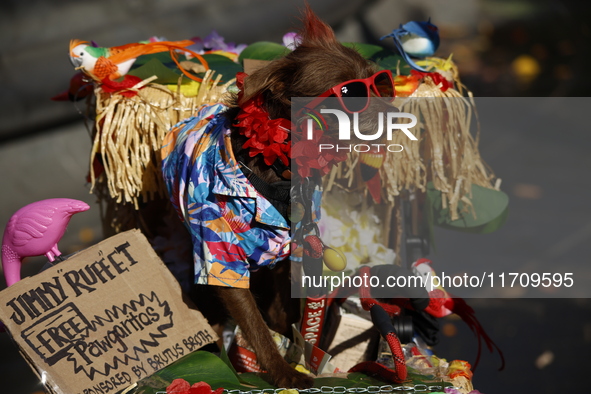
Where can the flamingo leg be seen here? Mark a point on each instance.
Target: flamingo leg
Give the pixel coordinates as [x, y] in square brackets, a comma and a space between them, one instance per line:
[52, 253]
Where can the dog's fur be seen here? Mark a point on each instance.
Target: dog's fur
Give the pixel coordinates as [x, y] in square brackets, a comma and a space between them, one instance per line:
[317, 64]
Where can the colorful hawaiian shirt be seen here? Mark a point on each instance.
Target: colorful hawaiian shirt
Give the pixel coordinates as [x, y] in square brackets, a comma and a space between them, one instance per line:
[234, 229]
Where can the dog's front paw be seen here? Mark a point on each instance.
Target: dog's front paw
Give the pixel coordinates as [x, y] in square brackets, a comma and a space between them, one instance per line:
[290, 378]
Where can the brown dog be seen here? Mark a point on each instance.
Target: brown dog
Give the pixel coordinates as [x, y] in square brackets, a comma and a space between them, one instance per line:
[319, 63]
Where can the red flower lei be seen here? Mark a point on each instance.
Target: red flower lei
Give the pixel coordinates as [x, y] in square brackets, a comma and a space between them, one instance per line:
[266, 137]
[271, 138]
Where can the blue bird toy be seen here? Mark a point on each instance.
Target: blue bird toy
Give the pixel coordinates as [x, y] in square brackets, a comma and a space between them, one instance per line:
[416, 39]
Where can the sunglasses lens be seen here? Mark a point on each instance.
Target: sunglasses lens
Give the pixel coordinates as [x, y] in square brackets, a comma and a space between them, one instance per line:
[356, 95]
[384, 85]
[354, 89]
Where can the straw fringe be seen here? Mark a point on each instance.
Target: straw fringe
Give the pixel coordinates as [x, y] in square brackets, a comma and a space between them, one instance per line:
[449, 154]
[446, 152]
[129, 132]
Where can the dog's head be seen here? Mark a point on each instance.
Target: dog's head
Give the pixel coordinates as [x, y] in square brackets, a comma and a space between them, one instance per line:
[318, 63]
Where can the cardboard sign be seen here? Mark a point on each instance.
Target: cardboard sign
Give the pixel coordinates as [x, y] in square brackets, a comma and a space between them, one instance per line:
[103, 319]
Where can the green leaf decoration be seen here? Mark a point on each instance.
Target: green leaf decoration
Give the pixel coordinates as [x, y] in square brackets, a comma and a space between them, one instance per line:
[258, 380]
[388, 60]
[224, 357]
[354, 379]
[162, 57]
[368, 51]
[417, 378]
[155, 67]
[358, 379]
[490, 206]
[161, 65]
[221, 65]
[263, 50]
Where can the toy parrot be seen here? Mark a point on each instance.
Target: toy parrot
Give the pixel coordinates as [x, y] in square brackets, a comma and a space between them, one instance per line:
[416, 39]
[112, 63]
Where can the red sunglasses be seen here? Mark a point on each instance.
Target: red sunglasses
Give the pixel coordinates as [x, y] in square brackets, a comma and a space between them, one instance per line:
[357, 91]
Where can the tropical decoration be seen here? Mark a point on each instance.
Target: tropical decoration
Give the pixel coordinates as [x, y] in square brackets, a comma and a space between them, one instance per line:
[212, 373]
[113, 63]
[155, 94]
[415, 39]
[134, 113]
[139, 92]
[355, 228]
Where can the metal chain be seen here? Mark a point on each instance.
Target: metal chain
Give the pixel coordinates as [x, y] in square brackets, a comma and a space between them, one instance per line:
[422, 388]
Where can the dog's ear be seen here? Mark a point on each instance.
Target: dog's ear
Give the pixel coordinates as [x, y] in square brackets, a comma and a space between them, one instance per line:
[269, 80]
[315, 32]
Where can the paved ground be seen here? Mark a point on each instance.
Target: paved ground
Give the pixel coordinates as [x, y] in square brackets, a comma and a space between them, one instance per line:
[544, 170]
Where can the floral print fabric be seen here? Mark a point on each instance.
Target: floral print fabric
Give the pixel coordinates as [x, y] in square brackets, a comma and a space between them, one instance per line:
[234, 229]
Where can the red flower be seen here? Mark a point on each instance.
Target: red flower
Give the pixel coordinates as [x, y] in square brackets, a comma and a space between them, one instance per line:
[128, 81]
[181, 386]
[266, 137]
[435, 77]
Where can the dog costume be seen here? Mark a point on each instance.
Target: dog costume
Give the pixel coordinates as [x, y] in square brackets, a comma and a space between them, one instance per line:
[234, 229]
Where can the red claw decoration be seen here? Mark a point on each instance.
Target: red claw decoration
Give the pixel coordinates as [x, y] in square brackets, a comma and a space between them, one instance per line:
[372, 368]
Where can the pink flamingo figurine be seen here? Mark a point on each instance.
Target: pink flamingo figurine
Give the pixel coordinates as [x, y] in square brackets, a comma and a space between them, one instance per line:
[35, 230]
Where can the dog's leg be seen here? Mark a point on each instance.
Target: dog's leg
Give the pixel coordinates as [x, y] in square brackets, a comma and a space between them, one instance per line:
[271, 289]
[242, 307]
